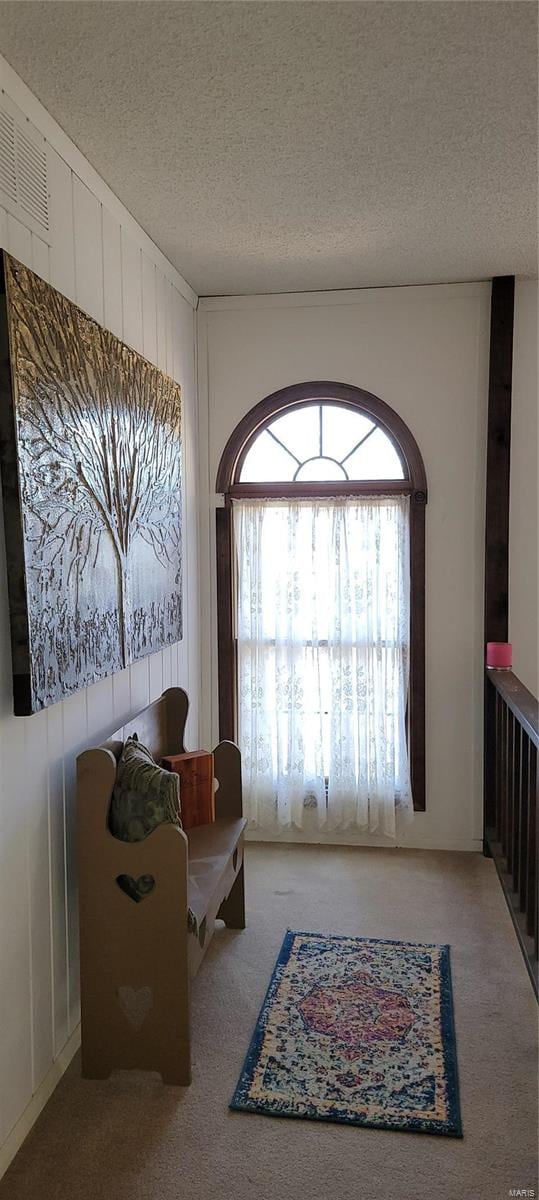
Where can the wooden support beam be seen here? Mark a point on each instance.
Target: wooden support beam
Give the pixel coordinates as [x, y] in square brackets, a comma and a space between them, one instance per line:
[498, 460]
[496, 608]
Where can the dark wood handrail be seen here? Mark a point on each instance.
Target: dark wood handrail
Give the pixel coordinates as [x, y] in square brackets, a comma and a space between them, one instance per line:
[512, 802]
[522, 703]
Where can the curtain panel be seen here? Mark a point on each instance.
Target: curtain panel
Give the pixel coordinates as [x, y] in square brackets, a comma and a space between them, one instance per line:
[322, 628]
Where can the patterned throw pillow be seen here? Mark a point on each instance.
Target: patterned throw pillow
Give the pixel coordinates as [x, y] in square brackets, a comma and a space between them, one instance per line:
[144, 795]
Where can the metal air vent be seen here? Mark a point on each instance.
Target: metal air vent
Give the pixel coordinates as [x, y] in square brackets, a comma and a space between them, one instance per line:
[23, 168]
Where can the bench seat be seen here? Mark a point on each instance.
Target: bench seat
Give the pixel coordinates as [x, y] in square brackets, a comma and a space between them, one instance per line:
[211, 854]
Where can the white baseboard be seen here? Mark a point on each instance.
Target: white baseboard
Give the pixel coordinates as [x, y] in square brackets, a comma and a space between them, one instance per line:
[28, 1118]
[469, 845]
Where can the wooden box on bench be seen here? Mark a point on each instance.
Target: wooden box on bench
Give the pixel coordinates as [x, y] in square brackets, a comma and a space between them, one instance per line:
[197, 801]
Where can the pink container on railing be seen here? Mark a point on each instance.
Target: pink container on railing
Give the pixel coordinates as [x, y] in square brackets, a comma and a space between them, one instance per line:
[499, 656]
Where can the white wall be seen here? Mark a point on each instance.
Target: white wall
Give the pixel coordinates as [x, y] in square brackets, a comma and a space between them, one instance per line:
[524, 505]
[100, 258]
[424, 350]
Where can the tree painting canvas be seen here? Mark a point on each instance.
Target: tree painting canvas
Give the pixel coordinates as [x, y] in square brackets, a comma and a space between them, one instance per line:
[91, 459]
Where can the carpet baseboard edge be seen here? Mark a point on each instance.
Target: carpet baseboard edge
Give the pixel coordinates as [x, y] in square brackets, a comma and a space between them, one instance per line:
[28, 1117]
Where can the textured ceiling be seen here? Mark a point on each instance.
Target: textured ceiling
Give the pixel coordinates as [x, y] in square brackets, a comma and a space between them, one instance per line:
[289, 146]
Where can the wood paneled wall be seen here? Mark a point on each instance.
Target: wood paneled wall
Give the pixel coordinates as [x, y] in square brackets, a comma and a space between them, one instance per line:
[96, 260]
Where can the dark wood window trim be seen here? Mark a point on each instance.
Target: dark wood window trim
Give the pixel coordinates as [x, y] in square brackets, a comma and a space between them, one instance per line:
[414, 484]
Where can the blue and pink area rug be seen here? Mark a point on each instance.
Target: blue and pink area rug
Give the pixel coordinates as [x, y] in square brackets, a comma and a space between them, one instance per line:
[356, 1030]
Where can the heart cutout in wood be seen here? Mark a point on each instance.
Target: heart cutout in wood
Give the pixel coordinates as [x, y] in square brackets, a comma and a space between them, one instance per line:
[135, 1004]
[136, 889]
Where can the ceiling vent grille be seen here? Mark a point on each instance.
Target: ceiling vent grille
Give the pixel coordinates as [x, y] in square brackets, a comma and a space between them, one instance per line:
[23, 168]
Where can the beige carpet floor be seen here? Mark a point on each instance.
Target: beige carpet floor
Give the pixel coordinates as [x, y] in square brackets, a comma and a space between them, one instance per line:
[131, 1138]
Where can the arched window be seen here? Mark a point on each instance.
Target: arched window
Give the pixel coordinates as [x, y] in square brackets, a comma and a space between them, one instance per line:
[325, 440]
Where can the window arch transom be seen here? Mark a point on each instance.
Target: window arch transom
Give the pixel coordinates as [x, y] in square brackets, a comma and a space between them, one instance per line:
[321, 442]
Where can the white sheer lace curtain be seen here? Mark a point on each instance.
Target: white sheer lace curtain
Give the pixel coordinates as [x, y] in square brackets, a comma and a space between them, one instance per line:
[323, 651]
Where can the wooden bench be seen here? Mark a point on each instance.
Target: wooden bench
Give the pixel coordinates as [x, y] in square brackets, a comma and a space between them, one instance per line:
[137, 955]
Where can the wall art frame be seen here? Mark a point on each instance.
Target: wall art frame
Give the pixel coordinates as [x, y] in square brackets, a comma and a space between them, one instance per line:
[91, 463]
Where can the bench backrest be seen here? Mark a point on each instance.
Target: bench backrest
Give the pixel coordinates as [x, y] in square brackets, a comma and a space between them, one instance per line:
[160, 726]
